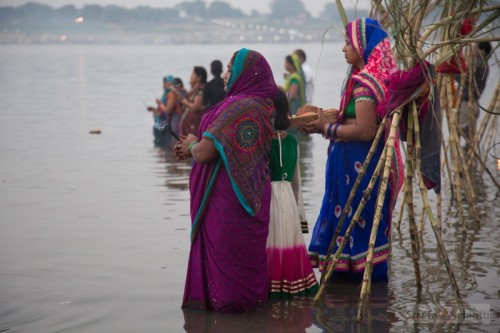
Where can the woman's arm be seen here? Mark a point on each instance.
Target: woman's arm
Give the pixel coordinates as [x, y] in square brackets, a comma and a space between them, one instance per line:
[364, 127]
[170, 106]
[294, 90]
[202, 151]
[196, 105]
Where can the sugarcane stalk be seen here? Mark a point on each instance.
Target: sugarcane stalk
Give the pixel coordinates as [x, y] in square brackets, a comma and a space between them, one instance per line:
[355, 186]
[484, 130]
[465, 177]
[401, 208]
[485, 167]
[452, 142]
[479, 135]
[420, 229]
[462, 167]
[447, 20]
[470, 114]
[442, 98]
[365, 288]
[470, 102]
[439, 211]
[489, 142]
[437, 233]
[415, 244]
[492, 106]
[418, 148]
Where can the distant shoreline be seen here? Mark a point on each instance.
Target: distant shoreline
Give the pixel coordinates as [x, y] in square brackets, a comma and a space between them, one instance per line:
[188, 37]
[34, 23]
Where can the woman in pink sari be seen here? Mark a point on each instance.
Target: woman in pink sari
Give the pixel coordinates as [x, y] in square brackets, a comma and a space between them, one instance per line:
[230, 187]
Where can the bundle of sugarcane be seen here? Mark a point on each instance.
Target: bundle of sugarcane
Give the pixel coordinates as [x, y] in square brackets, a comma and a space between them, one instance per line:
[459, 26]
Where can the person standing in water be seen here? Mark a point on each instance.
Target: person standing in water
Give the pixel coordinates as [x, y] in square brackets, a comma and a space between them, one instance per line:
[368, 52]
[230, 188]
[290, 271]
[214, 91]
[308, 75]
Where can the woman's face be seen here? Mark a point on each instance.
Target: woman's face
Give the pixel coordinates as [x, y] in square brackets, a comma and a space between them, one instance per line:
[227, 75]
[194, 78]
[288, 67]
[351, 55]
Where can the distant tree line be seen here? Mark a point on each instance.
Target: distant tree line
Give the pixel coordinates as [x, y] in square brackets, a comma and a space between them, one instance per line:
[188, 10]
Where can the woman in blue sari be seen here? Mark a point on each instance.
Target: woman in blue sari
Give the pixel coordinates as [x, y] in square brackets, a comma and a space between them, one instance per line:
[367, 51]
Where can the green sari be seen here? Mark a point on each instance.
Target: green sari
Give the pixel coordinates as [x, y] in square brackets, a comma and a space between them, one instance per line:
[296, 78]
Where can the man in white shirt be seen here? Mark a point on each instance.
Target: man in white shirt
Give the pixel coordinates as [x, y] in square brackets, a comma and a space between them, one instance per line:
[308, 74]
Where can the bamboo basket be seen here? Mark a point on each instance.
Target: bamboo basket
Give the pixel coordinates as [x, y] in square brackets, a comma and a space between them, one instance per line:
[307, 113]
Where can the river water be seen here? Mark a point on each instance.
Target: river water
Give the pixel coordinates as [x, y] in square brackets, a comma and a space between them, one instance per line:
[94, 228]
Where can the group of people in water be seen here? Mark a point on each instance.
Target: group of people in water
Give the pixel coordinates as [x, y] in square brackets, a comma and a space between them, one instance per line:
[181, 110]
[246, 202]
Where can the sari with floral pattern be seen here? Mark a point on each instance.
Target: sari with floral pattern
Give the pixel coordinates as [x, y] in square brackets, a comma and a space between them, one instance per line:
[230, 196]
[345, 159]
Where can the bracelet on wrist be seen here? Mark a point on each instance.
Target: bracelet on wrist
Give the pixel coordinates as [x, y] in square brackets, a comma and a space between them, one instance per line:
[191, 145]
[328, 128]
[335, 135]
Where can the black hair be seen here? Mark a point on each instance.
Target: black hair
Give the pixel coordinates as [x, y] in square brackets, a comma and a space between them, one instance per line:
[178, 82]
[300, 53]
[216, 68]
[281, 120]
[485, 47]
[289, 60]
[201, 72]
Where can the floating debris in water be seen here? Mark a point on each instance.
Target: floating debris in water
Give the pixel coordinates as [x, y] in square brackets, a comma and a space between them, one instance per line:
[95, 131]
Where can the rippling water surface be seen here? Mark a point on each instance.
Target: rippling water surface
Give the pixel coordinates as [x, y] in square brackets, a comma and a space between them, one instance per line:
[94, 229]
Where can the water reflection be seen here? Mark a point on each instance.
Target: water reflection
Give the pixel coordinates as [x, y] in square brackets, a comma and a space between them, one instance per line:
[294, 315]
[175, 173]
[336, 312]
[338, 309]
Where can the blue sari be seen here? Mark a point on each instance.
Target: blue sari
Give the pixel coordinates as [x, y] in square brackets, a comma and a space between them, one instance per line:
[345, 160]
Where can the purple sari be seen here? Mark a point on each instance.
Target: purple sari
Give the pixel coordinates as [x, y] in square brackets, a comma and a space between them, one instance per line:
[230, 196]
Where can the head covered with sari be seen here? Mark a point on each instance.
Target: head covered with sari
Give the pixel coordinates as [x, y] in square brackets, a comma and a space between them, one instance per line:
[251, 75]
[297, 75]
[373, 46]
[166, 79]
[240, 126]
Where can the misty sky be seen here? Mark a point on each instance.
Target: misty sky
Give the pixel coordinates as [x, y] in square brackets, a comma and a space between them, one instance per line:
[313, 6]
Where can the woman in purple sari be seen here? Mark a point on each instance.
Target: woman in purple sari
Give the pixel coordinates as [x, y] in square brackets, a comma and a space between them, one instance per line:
[230, 188]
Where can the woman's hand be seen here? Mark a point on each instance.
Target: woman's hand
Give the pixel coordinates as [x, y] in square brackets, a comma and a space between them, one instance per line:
[181, 148]
[315, 126]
